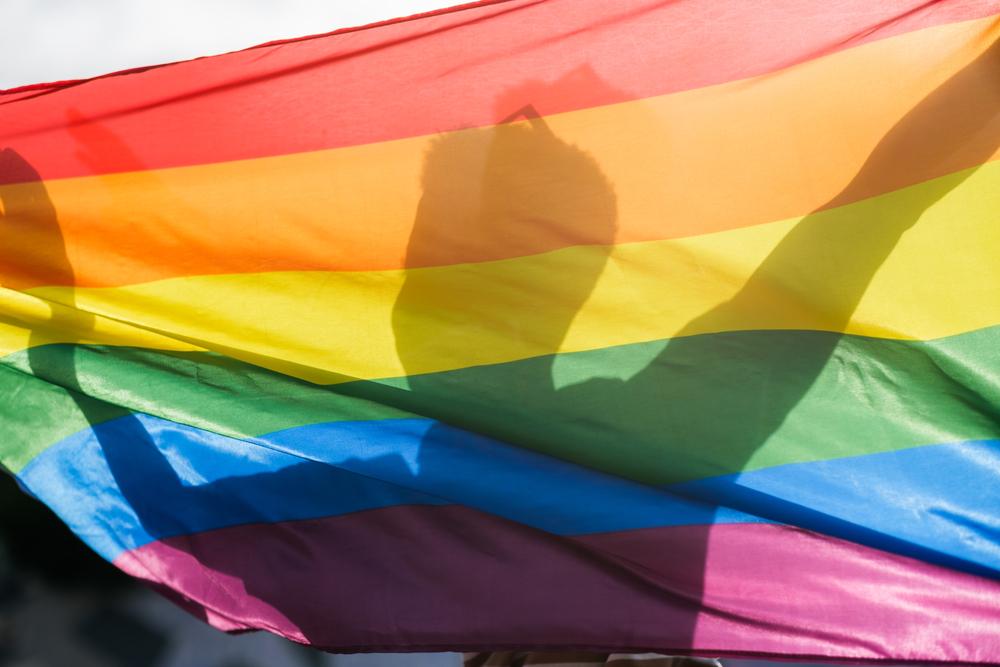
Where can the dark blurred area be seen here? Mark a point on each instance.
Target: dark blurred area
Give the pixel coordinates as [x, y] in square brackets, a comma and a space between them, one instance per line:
[35, 542]
[62, 605]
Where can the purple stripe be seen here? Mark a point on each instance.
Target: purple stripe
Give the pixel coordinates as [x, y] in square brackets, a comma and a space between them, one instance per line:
[427, 578]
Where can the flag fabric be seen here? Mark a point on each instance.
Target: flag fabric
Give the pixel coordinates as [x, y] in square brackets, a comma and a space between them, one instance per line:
[530, 324]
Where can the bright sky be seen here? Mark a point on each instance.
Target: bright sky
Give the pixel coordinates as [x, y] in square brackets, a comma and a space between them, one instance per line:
[48, 40]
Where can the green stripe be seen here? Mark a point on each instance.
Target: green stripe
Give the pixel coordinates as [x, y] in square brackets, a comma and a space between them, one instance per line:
[717, 404]
[657, 412]
[199, 389]
[35, 414]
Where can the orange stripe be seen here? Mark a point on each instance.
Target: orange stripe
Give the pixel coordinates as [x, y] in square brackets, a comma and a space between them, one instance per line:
[690, 163]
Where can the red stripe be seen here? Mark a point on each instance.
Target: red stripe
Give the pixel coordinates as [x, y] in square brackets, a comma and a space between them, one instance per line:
[437, 73]
[428, 578]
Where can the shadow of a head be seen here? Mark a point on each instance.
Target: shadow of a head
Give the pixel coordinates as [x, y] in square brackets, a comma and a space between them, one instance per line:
[497, 193]
[31, 243]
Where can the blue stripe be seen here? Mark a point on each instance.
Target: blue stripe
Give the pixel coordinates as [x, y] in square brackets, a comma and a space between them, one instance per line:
[139, 478]
[136, 479]
[939, 503]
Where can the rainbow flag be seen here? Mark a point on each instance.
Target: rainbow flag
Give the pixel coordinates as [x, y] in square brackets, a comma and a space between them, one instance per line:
[634, 325]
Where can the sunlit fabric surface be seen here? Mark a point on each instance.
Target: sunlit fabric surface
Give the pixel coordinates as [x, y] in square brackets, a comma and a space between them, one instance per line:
[531, 325]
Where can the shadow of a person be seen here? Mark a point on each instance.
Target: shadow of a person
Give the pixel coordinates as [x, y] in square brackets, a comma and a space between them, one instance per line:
[166, 503]
[502, 184]
[35, 252]
[31, 244]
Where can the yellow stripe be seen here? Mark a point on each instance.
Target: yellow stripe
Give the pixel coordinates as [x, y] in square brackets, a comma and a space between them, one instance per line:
[27, 320]
[741, 153]
[941, 277]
